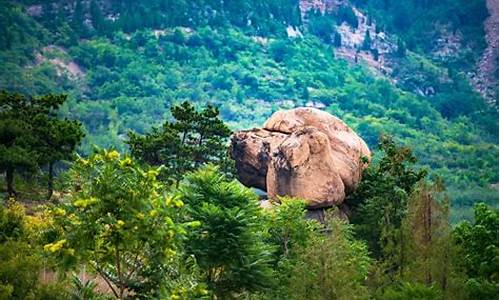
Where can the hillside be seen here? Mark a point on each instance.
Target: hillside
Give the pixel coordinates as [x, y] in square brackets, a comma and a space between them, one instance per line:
[374, 65]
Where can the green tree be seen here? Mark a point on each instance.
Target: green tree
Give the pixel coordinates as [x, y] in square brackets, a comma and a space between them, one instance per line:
[478, 242]
[19, 268]
[119, 222]
[367, 41]
[288, 227]
[18, 117]
[193, 139]
[321, 26]
[430, 256]
[21, 257]
[379, 203]
[97, 17]
[32, 135]
[228, 246]
[414, 291]
[401, 48]
[288, 231]
[178, 37]
[280, 50]
[77, 22]
[346, 14]
[56, 140]
[332, 266]
[375, 54]
[337, 39]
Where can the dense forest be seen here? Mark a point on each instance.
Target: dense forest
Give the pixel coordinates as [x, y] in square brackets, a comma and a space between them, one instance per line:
[122, 64]
[115, 119]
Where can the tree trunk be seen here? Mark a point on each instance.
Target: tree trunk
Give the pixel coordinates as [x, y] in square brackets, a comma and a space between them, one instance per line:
[10, 182]
[50, 186]
[428, 236]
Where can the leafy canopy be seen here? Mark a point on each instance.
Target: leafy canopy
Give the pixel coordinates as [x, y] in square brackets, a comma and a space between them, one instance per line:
[119, 221]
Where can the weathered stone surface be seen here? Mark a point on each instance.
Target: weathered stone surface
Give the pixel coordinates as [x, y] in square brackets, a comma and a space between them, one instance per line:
[304, 153]
[251, 149]
[303, 166]
[347, 146]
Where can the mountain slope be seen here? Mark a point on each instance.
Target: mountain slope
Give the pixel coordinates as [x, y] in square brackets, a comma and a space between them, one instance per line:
[123, 64]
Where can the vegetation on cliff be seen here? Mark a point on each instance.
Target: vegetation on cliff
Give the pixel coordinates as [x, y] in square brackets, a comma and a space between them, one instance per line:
[125, 74]
[122, 111]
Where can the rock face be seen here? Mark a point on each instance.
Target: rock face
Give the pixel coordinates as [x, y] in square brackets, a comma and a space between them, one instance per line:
[304, 153]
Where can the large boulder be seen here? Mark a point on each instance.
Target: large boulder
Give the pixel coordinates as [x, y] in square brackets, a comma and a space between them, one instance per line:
[303, 152]
[251, 149]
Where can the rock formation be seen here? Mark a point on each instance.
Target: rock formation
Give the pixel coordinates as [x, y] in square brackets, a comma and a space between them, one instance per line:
[303, 152]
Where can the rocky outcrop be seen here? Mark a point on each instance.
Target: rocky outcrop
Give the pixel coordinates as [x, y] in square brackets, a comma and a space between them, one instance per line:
[304, 153]
[252, 150]
[486, 80]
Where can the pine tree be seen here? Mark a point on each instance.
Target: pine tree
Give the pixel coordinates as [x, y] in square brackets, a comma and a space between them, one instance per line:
[379, 203]
[21, 117]
[401, 48]
[337, 39]
[56, 140]
[228, 246]
[97, 17]
[191, 140]
[77, 22]
[32, 135]
[367, 42]
[375, 54]
[430, 254]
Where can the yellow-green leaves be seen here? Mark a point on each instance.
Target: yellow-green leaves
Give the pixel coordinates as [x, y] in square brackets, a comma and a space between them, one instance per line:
[54, 247]
[112, 155]
[118, 220]
[126, 162]
[83, 203]
[59, 212]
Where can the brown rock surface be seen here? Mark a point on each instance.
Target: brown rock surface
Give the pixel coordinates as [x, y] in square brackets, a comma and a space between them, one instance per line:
[303, 152]
[303, 166]
[251, 149]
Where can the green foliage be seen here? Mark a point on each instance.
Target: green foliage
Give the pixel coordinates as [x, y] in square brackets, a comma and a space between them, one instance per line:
[97, 17]
[401, 50]
[322, 26]
[21, 260]
[31, 135]
[228, 245]
[18, 271]
[367, 41]
[337, 39]
[417, 291]
[418, 32]
[235, 57]
[430, 255]
[190, 141]
[332, 266]
[118, 222]
[289, 230]
[379, 202]
[479, 250]
[83, 290]
[346, 14]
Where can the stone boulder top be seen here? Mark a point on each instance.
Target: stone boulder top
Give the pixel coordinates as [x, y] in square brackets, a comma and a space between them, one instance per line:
[337, 131]
[303, 152]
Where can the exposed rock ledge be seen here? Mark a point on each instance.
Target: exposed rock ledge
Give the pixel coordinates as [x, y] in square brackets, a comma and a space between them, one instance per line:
[305, 153]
